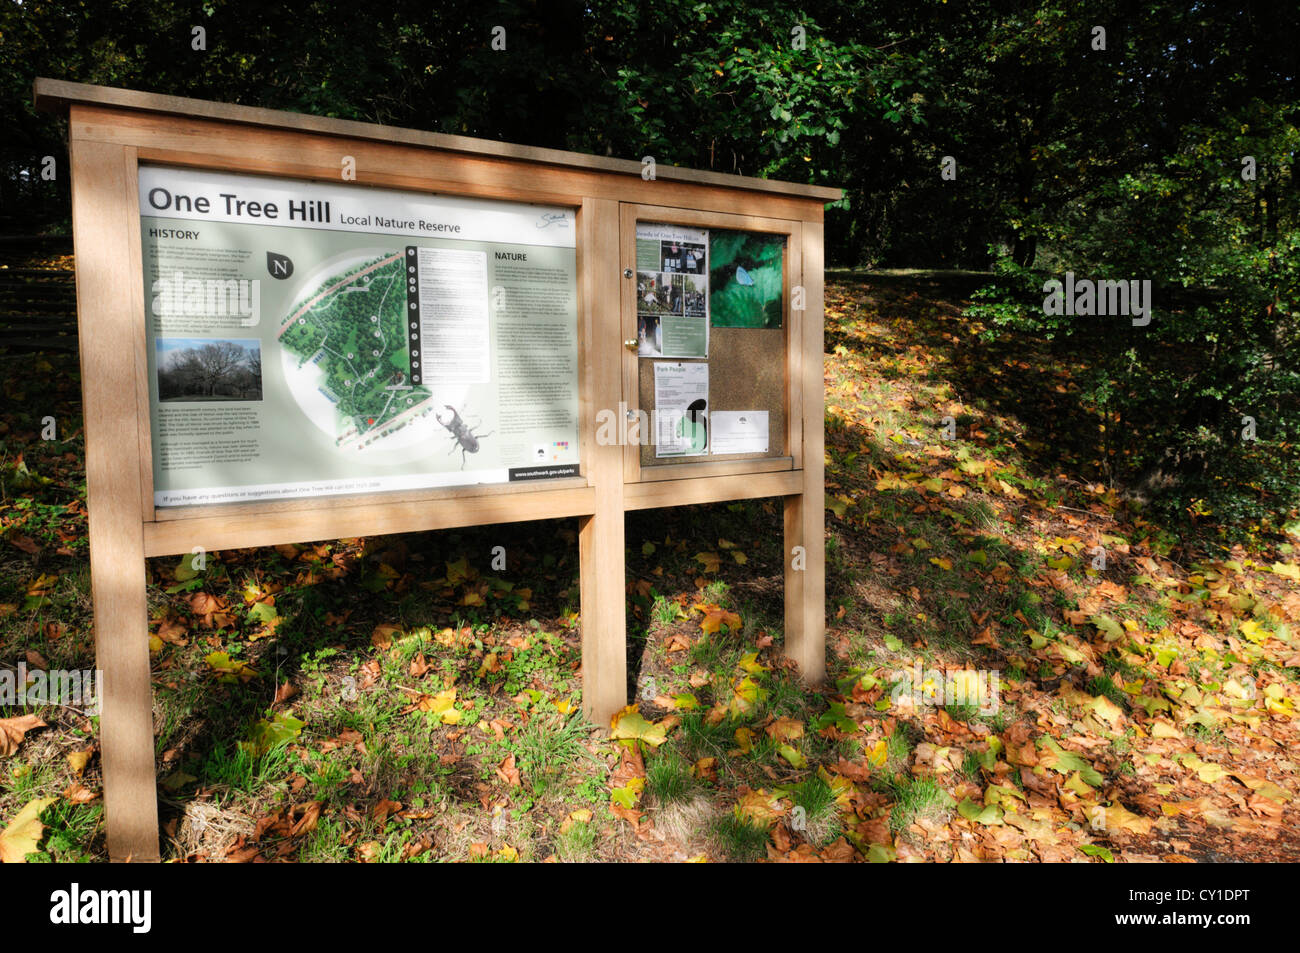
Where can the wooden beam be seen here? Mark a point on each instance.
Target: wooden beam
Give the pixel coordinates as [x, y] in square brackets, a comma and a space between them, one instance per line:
[57, 95]
[717, 489]
[805, 513]
[304, 524]
[294, 153]
[600, 540]
[107, 285]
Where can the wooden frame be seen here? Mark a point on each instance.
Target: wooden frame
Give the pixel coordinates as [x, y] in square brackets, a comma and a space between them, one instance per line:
[112, 132]
[633, 470]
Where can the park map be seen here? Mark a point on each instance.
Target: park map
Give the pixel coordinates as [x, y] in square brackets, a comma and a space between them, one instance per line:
[353, 327]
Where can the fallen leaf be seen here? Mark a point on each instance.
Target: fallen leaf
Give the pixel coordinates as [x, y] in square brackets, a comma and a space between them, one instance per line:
[12, 731]
[24, 832]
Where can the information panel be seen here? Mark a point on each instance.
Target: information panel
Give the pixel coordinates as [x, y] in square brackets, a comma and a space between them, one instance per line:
[714, 298]
[310, 339]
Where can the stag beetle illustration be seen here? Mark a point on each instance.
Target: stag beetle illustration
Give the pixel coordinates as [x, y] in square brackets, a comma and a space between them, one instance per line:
[463, 437]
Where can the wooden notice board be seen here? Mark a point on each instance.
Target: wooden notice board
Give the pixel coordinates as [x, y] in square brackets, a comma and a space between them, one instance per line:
[457, 228]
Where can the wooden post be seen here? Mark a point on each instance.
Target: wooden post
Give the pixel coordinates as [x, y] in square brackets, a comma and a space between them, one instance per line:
[108, 280]
[600, 541]
[805, 514]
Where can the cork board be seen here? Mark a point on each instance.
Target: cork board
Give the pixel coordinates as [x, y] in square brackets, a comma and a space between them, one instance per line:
[746, 372]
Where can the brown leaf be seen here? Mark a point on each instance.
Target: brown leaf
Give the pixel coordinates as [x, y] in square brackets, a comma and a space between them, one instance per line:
[12, 731]
[382, 637]
[508, 773]
[631, 815]
[677, 642]
[78, 793]
[284, 693]
[854, 772]
[173, 631]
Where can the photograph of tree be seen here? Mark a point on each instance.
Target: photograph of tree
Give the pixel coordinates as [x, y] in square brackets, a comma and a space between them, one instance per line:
[745, 278]
[197, 369]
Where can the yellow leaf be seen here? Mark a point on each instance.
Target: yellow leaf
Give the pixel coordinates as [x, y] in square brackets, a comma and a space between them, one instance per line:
[1163, 729]
[1210, 772]
[715, 618]
[792, 755]
[629, 725]
[748, 694]
[758, 807]
[943, 562]
[77, 760]
[1120, 819]
[891, 481]
[745, 739]
[24, 832]
[710, 561]
[1107, 710]
[1079, 786]
[1290, 570]
[628, 795]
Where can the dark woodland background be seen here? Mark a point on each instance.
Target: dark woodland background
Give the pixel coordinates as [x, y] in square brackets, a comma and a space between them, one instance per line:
[1124, 162]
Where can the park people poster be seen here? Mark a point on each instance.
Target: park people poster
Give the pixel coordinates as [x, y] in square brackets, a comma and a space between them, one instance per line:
[316, 339]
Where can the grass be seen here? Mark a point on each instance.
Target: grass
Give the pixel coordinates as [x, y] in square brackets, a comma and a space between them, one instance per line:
[738, 839]
[1103, 685]
[546, 748]
[819, 823]
[700, 738]
[668, 779]
[665, 611]
[918, 799]
[575, 843]
[232, 769]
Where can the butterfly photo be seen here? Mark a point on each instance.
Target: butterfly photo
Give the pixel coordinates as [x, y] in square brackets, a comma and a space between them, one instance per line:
[745, 279]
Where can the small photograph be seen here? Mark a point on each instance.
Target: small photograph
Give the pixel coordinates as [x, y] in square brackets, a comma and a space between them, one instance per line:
[649, 335]
[745, 279]
[695, 294]
[209, 369]
[682, 257]
[658, 293]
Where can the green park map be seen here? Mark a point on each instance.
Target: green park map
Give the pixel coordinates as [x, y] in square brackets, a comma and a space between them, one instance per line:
[353, 327]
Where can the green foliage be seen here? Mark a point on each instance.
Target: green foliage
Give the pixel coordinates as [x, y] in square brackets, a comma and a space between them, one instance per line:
[1196, 413]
